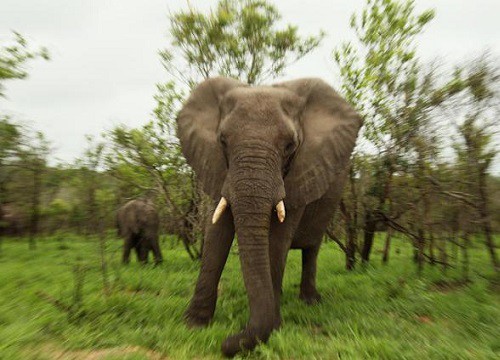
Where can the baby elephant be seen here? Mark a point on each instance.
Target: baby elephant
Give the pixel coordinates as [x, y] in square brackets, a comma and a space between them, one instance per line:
[138, 223]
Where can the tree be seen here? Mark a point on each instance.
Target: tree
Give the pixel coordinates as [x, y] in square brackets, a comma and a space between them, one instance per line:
[23, 159]
[13, 59]
[10, 135]
[476, 151]
[10, 139]
[89, 165]
[382, 77]
[240, 38]
[33, 158]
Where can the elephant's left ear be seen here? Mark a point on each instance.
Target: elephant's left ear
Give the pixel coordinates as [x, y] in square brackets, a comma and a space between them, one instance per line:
[330, 127]
[197, 125]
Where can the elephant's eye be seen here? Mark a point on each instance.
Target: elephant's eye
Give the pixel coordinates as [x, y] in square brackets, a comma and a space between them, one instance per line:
[290, 147]
[223, 141]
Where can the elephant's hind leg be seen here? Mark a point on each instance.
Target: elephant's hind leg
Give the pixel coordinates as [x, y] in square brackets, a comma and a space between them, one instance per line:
[155, 247]
[127, 247]
[308, 237]
[308, 292]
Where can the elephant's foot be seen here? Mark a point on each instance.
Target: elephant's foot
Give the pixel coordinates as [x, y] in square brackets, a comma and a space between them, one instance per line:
[194, 319]
[200, 311]
[246, 340]
[277, 323]
[310, 297]
[200, 315]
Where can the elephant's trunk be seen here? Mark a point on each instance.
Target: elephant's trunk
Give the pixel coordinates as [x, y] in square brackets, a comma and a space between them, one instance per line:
[252, 228]
[252, 203]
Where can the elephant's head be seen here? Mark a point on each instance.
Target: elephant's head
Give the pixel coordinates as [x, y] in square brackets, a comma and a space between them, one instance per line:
[256, 149]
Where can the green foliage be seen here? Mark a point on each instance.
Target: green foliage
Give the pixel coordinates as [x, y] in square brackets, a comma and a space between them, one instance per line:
[475, 148]
[240, 38]
[13, 59]
[57, 208]
[10, 135]
[405, 106]
[23, 156]
[149, 157]
[381, 75]
[477, 154]
[377, 313]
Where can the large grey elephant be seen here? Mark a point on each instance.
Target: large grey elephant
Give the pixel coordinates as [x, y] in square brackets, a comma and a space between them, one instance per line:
[275, 160]
[138, 224]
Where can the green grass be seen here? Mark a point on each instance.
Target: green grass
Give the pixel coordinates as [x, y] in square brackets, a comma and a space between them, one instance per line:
[381, 312]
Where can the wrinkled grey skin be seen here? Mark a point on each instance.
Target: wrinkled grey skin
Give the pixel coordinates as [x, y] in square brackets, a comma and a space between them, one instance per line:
[138, 224]
[256, 146]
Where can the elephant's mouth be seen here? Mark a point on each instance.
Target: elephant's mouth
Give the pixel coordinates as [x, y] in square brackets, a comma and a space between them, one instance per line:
[223, 204]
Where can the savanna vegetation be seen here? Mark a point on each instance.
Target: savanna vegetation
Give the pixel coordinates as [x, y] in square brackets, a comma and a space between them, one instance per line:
[59, 302]
[409, 266]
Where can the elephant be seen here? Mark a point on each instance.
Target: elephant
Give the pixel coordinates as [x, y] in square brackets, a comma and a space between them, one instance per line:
[138, 223]
[274, 160]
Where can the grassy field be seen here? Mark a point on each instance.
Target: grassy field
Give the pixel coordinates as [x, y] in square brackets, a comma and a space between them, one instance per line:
[381, 312]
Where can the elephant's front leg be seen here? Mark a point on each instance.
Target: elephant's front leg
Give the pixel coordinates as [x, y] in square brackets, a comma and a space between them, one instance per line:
[217, 242]
[280, 239]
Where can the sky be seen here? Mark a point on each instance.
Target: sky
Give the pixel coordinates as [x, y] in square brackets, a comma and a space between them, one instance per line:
[104, 55]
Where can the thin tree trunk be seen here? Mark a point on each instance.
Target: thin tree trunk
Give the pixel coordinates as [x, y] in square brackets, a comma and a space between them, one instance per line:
[443, 253]
[465, 256]
[352, 229]
[35, 207]
[350, 253]
[102, 251]
[485, 221]
[387, 246]
[2, 225]
[415, 250]
[372, 217]
[420, 251]
[92, 221]
[432, 258]
[369, 234]
[350, 221]
[454, 240]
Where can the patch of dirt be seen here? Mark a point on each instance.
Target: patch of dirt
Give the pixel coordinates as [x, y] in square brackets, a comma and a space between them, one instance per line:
[446, 286]
[53, 352]
[132, 291]
[318, 330]
[424, 319]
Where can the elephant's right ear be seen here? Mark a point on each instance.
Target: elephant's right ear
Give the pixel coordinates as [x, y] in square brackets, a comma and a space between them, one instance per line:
[197, 125]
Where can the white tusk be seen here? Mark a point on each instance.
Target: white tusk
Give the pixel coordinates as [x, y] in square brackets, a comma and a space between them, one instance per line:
[219, 209]
[280, 209]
